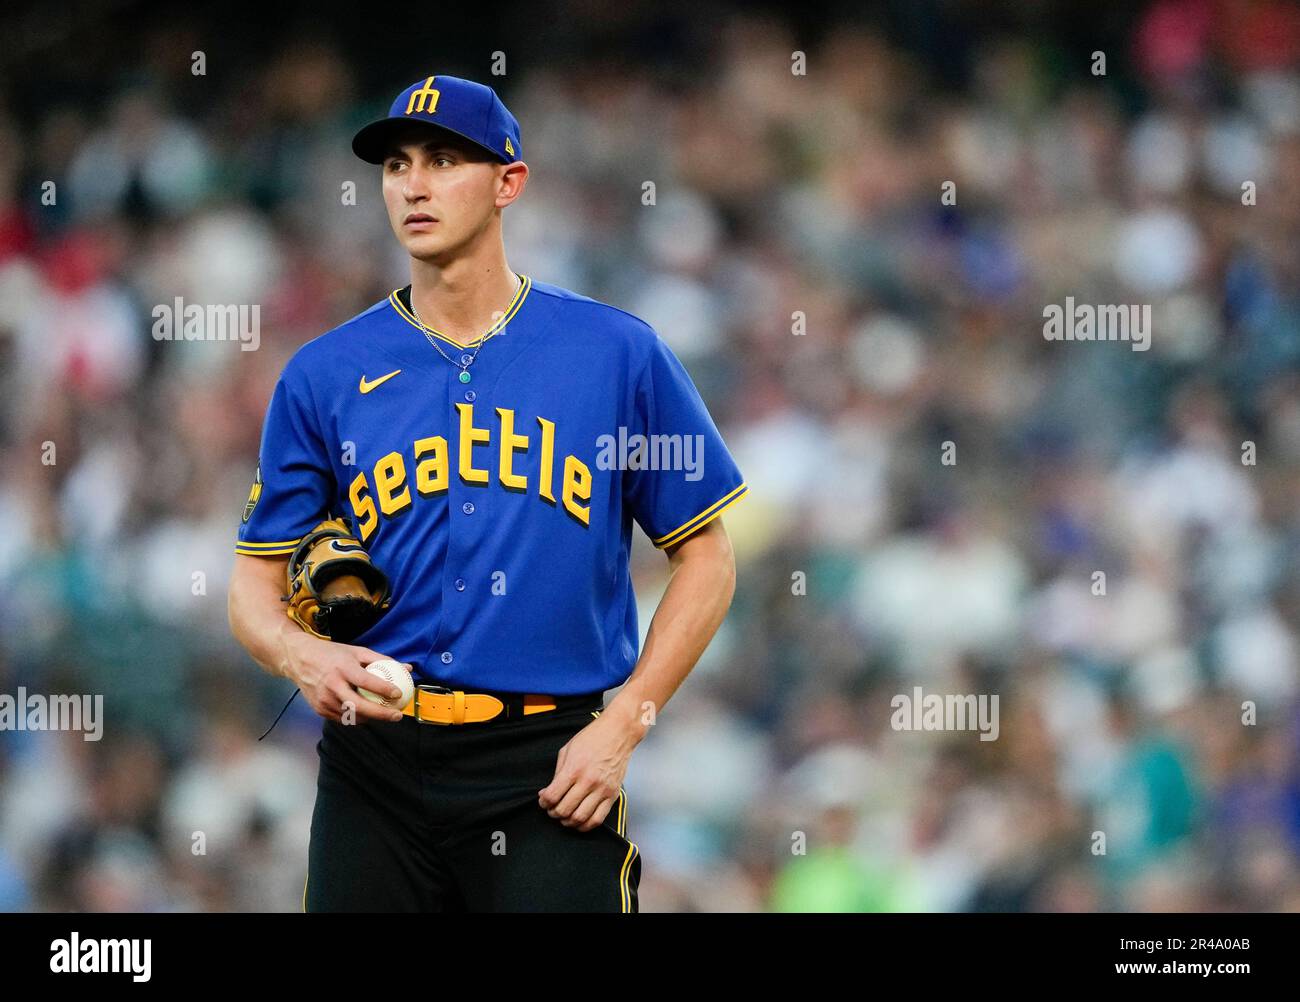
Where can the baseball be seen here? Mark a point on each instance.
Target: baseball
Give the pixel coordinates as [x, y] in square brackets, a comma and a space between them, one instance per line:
[396, 673]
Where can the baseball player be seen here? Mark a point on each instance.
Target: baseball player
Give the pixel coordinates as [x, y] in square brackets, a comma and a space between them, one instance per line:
[488, 440]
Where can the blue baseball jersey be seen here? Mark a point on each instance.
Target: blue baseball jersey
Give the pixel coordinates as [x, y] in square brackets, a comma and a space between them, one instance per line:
[500, 508]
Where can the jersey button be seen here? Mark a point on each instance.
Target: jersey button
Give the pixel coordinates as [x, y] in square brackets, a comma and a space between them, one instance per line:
[468, 507]
[460, 584]
[446, 657]
[470, 395]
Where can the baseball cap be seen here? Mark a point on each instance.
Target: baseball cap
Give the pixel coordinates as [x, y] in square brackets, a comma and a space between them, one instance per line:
[470, 110]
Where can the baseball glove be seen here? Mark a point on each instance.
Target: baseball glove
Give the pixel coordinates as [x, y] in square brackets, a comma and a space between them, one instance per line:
[335, 591]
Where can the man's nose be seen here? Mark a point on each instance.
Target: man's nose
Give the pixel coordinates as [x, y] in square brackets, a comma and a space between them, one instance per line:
[414, 186]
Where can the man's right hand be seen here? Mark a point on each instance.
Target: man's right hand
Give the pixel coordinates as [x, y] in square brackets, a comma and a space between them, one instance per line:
[328, 674]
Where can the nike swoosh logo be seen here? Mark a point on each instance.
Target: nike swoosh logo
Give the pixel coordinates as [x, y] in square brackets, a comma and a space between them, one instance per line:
[367, 387]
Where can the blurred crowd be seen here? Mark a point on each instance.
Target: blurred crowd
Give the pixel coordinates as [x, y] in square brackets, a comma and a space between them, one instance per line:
[1106, 539]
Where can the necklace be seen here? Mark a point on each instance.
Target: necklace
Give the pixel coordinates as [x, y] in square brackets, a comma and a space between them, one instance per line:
[466, 360]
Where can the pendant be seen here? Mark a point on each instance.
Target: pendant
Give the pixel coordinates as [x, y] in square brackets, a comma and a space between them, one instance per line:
[464, 376]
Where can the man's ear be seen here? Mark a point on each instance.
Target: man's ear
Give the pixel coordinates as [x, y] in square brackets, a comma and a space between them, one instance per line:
[513, 180]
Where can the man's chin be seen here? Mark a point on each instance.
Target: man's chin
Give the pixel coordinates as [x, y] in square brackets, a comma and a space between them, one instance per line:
[424, 247]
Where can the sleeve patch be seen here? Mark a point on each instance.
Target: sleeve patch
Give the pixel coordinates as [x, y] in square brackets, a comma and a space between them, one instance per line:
[254, 493]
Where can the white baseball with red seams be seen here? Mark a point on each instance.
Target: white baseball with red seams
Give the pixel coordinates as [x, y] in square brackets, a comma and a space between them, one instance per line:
[396, 673]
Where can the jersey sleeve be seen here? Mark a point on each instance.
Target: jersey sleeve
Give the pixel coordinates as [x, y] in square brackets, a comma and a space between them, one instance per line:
[294, 482]
[679, 475]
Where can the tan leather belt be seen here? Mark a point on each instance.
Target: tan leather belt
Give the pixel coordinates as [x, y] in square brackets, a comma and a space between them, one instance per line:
[435, 704]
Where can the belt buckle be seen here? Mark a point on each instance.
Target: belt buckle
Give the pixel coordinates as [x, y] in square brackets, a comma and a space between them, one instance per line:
[440, 690]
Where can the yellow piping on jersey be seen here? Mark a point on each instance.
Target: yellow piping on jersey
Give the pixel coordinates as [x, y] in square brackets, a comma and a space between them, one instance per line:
[521, 294]
[703, 518]
[251, 549]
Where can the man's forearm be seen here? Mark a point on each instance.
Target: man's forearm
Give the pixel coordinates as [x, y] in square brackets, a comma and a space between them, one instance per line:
[256, 612]
[693, 606]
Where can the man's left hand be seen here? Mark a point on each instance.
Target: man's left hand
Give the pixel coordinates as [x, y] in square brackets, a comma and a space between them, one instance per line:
[588, 773]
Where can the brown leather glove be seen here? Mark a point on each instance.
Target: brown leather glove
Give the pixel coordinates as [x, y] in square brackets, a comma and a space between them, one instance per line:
[335, 591]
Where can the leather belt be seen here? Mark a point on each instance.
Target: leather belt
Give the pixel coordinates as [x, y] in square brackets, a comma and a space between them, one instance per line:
[437, 704]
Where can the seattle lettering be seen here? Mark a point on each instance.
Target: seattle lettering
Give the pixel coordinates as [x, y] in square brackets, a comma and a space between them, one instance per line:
[387, 490]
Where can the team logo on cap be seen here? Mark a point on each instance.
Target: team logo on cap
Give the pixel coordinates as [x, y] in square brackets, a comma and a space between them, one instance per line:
[509, 148]
[419, 97]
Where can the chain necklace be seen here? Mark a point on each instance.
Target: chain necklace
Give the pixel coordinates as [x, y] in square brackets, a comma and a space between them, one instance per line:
[466, 360]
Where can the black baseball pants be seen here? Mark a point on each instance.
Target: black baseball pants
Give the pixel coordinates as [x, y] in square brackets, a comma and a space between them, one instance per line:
[419, 817]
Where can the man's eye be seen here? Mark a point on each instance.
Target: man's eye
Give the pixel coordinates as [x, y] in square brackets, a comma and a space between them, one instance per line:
[442, 160]
[395, 165]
